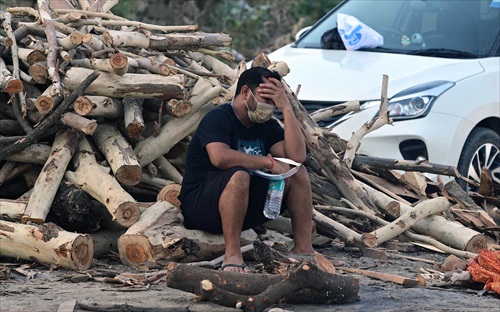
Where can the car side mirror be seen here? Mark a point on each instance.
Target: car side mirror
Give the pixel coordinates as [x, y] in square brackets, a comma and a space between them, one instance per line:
[301, 32]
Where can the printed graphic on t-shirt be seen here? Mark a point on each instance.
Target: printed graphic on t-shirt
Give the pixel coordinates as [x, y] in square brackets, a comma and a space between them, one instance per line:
[251, 147]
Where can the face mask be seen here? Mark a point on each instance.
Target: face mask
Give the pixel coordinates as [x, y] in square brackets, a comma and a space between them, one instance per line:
[262, 113]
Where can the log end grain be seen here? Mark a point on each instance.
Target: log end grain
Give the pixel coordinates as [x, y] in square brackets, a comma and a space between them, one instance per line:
[476, 243]
[129, 174]
[83, 105]
[44, 104]
[127, 214]
[134, 249]
[170, 194]
[83, 252]
[14, 86]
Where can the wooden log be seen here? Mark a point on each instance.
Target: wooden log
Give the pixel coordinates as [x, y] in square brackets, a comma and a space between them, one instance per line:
[178, 108]
[320, 287]
[44, 191]
[94, 105]
[119, 154]
[38, 72]
[35, 153]
[405, 221]
[9, 83]
[167, 170]
[12, 210]
[106, 242]
[170, 193]
[119, 39]
[128, 85]
[46, 102]
[46, 243]
[31, 56]
[336, 229]
[78, 122]
[133, 119]
[178, 128]
[72, 41]
[439, 279]
[116, 64]
[159, 235]
[95, 180]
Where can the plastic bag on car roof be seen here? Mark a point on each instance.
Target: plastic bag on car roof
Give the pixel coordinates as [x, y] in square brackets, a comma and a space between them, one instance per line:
[355, 34]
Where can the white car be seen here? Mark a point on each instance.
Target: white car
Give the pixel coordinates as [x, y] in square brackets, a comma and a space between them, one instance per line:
[443, 62]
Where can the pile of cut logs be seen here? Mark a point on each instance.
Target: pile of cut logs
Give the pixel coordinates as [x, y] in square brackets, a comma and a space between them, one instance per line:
[96, 112]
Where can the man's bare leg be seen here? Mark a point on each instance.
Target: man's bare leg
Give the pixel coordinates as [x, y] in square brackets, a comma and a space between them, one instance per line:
[233, 205]
[299, 203]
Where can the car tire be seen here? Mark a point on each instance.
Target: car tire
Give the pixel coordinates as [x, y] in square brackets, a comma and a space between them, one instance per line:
[482, 148]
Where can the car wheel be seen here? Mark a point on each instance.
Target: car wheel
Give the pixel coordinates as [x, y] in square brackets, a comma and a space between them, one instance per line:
[481, 149]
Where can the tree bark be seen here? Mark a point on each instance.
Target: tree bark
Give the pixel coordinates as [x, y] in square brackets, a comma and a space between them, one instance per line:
[47, 243]
[80, 123]
[95, 106]
[134, 121]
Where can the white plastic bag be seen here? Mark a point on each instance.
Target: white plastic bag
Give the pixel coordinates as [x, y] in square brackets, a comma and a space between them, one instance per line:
[355, 34]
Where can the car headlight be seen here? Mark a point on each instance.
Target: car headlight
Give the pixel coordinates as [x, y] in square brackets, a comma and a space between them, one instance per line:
[416, 102]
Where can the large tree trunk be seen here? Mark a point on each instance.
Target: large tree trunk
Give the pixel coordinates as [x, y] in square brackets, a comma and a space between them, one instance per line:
[46, 243]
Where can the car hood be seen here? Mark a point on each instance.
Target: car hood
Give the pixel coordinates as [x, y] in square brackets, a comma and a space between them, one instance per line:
[339, 75]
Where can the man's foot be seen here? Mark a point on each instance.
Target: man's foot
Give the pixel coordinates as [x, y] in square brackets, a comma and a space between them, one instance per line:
[233, 267]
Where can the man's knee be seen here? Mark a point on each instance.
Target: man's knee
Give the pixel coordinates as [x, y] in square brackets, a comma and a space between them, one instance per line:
[301, 177]
[239, 180]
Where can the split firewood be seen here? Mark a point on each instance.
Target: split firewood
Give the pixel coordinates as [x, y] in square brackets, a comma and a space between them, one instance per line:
[160, 235]
[461, 196]
[119, 154]
[95, 180]
[45, 189]
[408, 282]
[46, 243]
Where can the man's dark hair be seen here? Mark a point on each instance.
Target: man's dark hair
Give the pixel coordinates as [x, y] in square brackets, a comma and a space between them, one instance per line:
[254, 76]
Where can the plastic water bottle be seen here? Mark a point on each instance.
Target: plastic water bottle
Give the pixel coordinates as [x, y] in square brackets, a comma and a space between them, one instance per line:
[274, 197]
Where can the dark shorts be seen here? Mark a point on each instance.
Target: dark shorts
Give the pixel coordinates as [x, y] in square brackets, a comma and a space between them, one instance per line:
[200, 207]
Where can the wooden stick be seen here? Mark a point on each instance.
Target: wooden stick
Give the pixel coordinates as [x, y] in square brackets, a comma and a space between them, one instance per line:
[44, 191]
[383, 276]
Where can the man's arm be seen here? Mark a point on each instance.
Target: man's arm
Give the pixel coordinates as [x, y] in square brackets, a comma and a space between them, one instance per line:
[293, 146]
[223, 157]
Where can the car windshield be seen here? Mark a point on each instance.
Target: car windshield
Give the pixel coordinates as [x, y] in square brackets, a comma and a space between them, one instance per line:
[458, 29]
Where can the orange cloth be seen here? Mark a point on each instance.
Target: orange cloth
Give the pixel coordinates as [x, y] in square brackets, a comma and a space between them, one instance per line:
[485, 268]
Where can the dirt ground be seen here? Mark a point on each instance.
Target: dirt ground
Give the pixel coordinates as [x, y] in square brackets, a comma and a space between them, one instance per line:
[58, 290]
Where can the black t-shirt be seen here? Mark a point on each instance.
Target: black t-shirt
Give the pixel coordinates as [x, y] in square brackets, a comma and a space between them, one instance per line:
[222, 125]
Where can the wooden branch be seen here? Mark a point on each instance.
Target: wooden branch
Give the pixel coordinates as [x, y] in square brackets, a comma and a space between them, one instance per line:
[46, 243]
[165, 29]
[50, 33]
[46, 102]
[405, 221]
[382, 119]
[167, 170]
[35, 153]
[95, 181]
[383, 276]
[105, 15]
[116, 64]
[119, 154]
[38, 72]
[336, 229]
[8, 83]
[338, 109]
[44, 191]
[366, 163]
[38, 132]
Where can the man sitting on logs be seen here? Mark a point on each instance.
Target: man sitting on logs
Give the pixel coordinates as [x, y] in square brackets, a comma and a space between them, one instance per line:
[220, 191]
